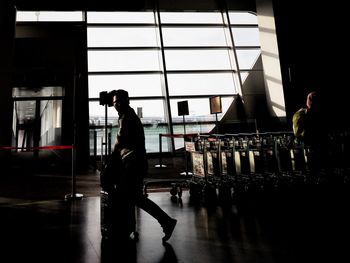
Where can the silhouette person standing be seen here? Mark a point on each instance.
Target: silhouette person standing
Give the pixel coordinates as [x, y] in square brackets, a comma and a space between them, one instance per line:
[130, 144]
[309, 128]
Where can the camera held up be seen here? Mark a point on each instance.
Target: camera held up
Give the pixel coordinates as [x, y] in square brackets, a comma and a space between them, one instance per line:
[107, 98]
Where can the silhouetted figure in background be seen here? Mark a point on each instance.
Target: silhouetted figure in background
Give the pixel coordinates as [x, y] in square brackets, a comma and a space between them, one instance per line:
[309, 128]
[130, 144]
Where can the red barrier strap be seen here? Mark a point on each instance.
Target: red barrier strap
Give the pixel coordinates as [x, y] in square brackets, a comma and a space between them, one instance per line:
[53, 147]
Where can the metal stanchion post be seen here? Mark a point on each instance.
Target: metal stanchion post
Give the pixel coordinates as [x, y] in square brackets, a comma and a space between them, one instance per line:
[186, 173]
[95, 149]
[217, 123]
[106, 132]
[74, 195]
[160, 165]
[109, 143]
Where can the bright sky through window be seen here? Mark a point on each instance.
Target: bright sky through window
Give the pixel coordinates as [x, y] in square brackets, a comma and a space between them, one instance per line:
[190, 57]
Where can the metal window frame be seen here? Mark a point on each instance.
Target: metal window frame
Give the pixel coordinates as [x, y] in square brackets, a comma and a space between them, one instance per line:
[158, 25]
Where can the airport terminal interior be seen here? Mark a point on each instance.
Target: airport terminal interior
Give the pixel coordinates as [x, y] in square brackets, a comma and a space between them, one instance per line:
[215, 84]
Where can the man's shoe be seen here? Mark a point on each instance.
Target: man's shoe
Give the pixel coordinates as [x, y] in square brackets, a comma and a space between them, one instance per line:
[168, 229]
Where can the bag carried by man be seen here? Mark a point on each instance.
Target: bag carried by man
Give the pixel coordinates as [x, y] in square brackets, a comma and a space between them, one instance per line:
[117, 212]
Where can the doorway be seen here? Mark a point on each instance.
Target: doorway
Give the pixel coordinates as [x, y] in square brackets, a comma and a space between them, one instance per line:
[37, 117]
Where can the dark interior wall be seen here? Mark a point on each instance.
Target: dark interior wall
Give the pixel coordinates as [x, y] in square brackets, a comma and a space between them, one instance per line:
[132, 5]
[68, 5]
[55, 54]
[7, 31]
[313, 53]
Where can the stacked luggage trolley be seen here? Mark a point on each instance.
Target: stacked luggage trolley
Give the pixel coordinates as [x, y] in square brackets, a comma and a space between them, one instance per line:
[238, 167]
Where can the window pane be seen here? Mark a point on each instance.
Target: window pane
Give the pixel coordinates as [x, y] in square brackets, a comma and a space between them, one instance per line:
[120, 17]
[194, 37]
[38, 92]
[152, 119]
[197, 59]
[247, 58]
[199, 109]
[135, 60]
[136, 85]
[51, 122]
[246, 36]
[48, 16]
[201, 84]
[191, 17]
[97, 114]
[152, 110]
[153, 122]
[243, 18]
[121, 37]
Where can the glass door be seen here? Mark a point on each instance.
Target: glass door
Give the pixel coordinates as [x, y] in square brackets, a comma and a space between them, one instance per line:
[37, 118]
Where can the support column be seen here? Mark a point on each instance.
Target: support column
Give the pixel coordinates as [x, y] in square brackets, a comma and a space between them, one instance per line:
[7, 36]
[270, 59]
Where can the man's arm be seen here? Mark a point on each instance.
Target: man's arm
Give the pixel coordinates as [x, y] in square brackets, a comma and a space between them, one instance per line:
[120, 139]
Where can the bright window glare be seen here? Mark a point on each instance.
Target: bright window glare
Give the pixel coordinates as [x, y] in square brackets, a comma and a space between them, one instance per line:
[151, 109]
[32, 16]
[97, 114]
[201, 84]
[243, 18]
[190, 17]
[135, 60]
[120, 17]
[247, 58]
[136, 85]
[194, 37]
[121, 37]
[197, 59]
[246, 36]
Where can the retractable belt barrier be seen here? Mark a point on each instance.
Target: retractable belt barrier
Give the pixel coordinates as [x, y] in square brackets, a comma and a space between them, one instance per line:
[57, 147]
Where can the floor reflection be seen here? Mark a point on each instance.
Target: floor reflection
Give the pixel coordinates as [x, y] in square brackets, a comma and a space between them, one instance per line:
[114, 249]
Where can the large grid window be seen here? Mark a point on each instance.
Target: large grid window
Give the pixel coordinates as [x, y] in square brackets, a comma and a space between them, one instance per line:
[167, 57]
[124, 53]
[162, 58]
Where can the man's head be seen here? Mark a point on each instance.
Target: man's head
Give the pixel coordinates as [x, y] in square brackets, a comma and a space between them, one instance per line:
[120, 100]
[313, 101]
[311, 97]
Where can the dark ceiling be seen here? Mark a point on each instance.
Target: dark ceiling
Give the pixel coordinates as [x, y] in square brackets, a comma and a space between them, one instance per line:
[131, 5]
[66, 5]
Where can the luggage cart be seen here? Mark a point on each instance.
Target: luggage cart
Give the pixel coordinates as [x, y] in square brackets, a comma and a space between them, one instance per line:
[204, 179]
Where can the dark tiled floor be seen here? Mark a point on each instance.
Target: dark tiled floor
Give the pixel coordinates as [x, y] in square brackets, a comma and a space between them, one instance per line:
[38, 225]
